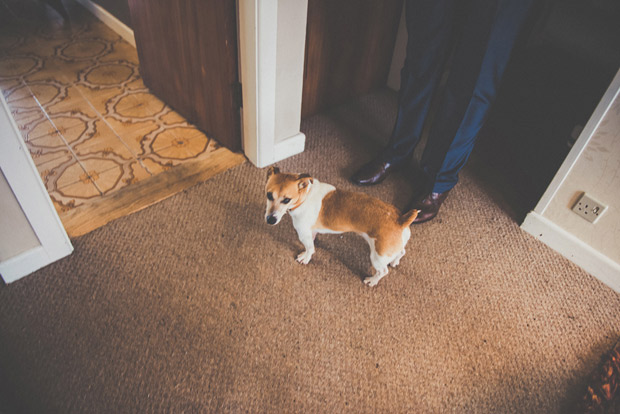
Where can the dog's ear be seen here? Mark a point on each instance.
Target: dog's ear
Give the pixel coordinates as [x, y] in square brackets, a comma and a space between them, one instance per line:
[304, 181]
[272, 170]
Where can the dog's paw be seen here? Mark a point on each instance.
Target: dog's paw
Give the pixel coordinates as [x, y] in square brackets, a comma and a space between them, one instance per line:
[304, 257]
[396, 260]
[371, 281]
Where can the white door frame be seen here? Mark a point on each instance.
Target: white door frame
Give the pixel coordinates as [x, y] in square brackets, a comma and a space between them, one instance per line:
[272, 40]
[25, 182]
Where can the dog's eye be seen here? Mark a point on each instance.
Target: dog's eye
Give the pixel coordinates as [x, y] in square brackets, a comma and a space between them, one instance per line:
[270, 196]
[286, 200]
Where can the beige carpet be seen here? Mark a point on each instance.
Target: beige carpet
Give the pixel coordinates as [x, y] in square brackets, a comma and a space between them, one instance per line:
[196, 305]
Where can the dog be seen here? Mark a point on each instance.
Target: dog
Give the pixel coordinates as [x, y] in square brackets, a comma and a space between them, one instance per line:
[317, 207]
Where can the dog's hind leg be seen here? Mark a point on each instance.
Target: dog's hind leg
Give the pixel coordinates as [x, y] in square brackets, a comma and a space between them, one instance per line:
[381, 269]
[405, 236]
[395, 262]
[380, 263]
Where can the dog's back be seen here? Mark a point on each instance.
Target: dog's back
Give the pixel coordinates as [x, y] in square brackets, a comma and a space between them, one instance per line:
[346, 211]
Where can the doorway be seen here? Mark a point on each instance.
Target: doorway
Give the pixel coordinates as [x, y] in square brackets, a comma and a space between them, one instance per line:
[103, 143]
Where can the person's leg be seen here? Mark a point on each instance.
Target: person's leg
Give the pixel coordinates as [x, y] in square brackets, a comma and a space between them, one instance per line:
[467, 108]
[429, 25]
[477, 69]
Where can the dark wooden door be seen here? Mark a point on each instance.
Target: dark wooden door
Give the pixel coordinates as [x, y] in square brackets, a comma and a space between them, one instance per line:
[188, 58]
[349, 47]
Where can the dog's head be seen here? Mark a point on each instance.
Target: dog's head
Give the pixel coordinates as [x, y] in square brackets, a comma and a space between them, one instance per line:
[284, 192]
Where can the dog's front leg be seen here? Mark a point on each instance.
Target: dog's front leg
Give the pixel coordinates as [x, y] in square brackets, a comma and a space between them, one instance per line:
[307, 239]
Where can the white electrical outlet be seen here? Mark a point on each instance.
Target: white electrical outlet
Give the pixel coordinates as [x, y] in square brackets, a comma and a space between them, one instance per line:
[588, 208]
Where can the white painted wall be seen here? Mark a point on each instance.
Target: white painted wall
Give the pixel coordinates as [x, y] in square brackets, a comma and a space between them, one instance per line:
[597, 172]
[592, 166]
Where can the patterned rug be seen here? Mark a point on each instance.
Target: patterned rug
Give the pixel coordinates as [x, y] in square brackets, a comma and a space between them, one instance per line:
[603, 392]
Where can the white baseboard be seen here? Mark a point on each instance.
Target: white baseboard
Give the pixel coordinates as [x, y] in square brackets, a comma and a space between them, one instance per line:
[291, 146]
[23, 264]
[575, 250]
[109, 20]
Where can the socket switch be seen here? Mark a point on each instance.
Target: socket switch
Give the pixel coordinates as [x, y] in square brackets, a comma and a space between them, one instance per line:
[588, 208]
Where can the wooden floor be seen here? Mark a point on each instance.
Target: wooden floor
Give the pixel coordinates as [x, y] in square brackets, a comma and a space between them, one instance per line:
[103, 144]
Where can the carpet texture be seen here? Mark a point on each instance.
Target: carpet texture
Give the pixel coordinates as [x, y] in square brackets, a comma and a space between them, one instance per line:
[196, 305]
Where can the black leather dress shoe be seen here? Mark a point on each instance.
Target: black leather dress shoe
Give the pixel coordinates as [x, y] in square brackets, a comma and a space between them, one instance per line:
[373, 172]
[428, 206]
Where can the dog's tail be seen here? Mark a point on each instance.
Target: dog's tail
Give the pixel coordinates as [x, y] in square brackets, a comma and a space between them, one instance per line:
[406, 219]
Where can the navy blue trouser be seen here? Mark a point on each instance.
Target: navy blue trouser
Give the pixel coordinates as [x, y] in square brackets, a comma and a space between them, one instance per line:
[483, 44]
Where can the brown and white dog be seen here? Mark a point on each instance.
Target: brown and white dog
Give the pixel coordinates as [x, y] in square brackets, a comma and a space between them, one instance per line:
[317, 207]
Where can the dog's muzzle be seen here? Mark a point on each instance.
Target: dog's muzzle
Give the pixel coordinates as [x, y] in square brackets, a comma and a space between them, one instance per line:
[272, 219]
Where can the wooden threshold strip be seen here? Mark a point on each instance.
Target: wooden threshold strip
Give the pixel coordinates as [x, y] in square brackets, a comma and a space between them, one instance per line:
[135, 197]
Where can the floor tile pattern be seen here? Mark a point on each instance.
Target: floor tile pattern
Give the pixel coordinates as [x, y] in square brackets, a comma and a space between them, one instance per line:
[75, 92]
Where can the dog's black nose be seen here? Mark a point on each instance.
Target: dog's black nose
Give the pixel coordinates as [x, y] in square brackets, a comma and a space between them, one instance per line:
[271, 220]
